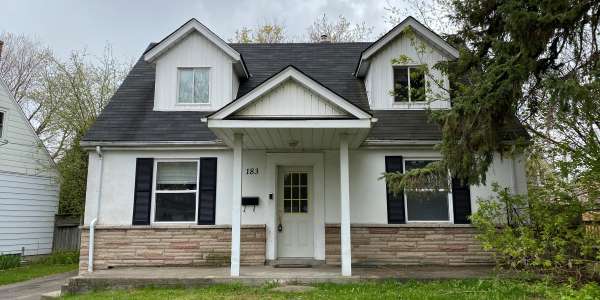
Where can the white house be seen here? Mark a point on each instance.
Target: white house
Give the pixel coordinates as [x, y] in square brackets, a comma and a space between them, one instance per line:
[28, 183]
[217, 153]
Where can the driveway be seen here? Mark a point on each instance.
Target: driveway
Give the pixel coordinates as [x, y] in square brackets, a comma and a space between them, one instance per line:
[33, 289]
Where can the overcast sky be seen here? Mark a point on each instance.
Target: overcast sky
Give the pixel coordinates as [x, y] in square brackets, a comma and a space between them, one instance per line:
[130, 25]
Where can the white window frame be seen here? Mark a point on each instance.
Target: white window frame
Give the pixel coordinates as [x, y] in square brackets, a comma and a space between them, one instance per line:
[179, 80]
[155, 191]
[409, 102]
[4, 123]
[449, 195]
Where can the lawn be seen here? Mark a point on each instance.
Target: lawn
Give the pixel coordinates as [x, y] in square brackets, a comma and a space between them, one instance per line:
[447, 289]
[53, 264]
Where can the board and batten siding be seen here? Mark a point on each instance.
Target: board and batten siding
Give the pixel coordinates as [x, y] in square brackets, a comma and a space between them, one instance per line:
[28, 185]
[379, 81]
[291, 99]
[194, 51]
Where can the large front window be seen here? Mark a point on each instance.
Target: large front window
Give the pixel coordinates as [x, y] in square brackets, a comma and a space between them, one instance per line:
[193, 86]
[176, 191]
[426, 203]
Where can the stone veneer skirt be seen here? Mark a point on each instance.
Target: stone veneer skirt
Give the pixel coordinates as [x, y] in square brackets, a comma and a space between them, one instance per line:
[192, 245]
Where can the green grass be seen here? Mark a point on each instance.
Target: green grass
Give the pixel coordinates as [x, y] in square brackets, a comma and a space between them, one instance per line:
[52, 264]
[447, 289]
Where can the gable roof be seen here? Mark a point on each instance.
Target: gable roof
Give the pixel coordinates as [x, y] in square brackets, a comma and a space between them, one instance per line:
[193, 25]
[289, 73]
[421, 30]
[23, 117]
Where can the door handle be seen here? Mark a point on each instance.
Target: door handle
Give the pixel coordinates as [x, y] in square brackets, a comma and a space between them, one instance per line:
[279, 227]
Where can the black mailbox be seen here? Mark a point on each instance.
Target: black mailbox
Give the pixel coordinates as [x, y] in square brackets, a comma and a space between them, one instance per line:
[250, 201]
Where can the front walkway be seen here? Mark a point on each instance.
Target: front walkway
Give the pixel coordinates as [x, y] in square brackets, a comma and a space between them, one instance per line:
[34, 288]
[256, 275]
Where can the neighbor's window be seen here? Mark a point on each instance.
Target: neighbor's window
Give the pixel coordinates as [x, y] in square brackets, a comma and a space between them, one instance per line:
[426, 204]
[193, 86]
[176, 192]
[1, 124]
[409, 84]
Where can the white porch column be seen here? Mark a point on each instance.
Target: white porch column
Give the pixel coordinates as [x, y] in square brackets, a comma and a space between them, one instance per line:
[345, 208]
[236, 211]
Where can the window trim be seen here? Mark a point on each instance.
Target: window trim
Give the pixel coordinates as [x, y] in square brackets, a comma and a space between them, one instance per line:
[154, 191]
[177, 103]
[449, 196]
[409, 102]
[4, 123]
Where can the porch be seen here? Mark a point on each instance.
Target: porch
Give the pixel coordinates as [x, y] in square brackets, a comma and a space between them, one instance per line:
[121, 278]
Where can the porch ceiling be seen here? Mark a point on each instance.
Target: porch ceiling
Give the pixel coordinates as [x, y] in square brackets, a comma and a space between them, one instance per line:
[291, 139]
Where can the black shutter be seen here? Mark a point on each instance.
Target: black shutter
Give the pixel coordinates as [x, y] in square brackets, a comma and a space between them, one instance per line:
[143, 191]
[461, 201]
[395, 203]
[207, 189]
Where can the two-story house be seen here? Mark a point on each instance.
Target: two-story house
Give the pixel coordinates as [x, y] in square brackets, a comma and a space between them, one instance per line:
[219, 153]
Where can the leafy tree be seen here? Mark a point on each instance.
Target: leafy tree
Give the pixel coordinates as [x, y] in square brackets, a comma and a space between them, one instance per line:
[338, 31]
[265, 33]
[72, 168]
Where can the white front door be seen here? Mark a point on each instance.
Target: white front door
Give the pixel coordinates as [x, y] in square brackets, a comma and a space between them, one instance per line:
[295, 212]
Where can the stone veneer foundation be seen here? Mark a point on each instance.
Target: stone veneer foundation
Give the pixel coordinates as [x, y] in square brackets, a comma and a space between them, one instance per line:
[427, 244]
[191, 245]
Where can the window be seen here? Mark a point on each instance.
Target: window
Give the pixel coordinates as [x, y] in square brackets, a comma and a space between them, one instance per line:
[176, 191]
[193, 86]
[295, 192]
[2, 124]
[409, 84]
[425, 204]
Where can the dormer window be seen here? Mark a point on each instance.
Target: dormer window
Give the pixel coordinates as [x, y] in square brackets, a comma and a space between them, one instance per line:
[409, 84]
[193, 86]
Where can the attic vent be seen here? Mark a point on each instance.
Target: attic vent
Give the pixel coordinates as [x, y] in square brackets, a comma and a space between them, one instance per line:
[325, 38]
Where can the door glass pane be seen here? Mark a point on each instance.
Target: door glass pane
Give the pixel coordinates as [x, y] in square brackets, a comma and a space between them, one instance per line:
[303, 192]
[287, 206]
[303, 206]
[295, 192]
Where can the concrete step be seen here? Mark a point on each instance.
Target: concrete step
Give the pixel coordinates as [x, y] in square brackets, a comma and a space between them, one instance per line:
[51, 295]
[296, 263]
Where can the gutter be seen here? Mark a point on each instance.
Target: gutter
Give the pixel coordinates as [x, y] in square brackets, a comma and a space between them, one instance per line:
[95, 220]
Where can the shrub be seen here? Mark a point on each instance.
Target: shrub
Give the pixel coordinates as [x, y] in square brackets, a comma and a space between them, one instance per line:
[542, 232]
[60, 258]
[9, 261]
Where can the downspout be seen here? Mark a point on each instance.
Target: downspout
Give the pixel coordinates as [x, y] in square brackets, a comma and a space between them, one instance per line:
[95, 220]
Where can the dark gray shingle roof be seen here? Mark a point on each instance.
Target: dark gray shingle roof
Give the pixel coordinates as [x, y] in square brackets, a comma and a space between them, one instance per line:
[129, 116]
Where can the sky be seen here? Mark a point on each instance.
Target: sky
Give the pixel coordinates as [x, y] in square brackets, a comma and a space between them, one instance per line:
[130, 25]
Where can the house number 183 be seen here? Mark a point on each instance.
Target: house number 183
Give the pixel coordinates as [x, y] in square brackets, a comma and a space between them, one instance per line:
[251, 171]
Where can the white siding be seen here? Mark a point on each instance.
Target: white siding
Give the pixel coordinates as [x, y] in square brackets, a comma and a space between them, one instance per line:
[27, 208]
[291, 99]
[194, 51]
[380, 76]
[28, 186]
[367, 191]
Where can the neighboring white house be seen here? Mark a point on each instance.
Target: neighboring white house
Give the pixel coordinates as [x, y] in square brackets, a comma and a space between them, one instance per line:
[28, 183]
[213, 153]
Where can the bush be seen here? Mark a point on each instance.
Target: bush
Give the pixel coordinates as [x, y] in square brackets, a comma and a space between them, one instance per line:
[60, 258]
[542, 232]
[9, 261]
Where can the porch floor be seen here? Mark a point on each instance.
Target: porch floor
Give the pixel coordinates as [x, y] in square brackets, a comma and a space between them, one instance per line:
[256, 275]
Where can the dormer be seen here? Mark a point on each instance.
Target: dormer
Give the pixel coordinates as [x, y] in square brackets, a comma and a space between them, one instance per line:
[195, 70]
[393, 68]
